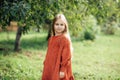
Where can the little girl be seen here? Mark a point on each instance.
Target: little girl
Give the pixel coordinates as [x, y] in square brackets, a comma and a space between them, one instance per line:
[57, 64]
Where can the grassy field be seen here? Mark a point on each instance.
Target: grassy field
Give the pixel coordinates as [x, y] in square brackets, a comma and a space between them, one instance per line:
[92, 60]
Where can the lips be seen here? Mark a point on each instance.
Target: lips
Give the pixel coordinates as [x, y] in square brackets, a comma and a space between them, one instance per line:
[59, 29]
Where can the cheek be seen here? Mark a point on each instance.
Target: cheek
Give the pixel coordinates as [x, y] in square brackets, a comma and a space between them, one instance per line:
[55, 27]
[63, 27]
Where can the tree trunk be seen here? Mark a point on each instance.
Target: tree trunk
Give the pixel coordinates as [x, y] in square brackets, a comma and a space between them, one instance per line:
[17, 40]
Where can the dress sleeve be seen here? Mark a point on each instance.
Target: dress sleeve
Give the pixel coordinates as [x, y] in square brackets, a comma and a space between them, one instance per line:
[65, 55]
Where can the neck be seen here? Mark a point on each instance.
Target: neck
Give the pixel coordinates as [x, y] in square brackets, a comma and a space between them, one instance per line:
[57, 34]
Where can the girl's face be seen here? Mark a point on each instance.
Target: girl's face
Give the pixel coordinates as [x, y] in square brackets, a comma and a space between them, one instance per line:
[59, 27]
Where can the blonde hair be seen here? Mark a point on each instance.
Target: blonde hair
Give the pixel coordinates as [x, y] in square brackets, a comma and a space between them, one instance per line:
[52, 31]
[65, 32]
[62, 17]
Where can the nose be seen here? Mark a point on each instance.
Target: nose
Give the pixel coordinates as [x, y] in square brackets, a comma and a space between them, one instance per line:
[59, 25]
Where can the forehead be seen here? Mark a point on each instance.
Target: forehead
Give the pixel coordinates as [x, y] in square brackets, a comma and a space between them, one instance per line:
[59, 21]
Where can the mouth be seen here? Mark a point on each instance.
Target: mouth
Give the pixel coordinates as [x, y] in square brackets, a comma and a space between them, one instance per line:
[58, 29]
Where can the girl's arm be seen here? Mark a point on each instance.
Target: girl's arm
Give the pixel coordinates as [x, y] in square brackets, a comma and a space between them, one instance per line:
[65, 56]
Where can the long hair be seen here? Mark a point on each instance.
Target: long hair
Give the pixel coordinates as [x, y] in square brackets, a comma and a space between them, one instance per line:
[52, 31]
[65, 32]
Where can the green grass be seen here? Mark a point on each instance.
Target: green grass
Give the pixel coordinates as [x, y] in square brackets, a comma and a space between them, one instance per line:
[98, 60]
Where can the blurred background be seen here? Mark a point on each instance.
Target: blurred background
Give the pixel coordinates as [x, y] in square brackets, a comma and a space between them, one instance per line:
[94, 27]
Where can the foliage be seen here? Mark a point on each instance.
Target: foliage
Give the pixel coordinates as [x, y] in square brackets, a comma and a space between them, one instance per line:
[110, 28]
[90, 27]
[36, 13]
[14, 11]
[112, 19]
[89, 35]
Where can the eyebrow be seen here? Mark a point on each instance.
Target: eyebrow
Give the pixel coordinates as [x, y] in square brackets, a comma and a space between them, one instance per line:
[59, 24]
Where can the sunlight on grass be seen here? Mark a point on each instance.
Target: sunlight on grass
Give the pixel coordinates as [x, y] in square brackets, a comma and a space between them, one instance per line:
[97, 60]
[92, 60]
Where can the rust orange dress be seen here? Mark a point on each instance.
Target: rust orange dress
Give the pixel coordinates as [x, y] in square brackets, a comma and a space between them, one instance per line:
[58, 58]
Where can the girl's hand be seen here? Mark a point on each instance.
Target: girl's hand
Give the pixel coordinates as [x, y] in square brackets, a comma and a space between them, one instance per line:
[62, 74]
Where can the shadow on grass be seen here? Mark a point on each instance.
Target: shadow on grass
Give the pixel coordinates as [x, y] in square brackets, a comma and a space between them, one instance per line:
[34, 43]
[6, 46]
[37, 43]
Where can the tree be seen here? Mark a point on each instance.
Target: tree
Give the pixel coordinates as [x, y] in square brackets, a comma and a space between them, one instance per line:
[15, 10]
[27, 13]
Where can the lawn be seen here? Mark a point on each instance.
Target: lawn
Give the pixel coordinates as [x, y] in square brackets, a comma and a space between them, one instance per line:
[92, 60]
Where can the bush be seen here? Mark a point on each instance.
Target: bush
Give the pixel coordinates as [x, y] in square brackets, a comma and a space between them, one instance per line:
[88, 35]
[110, 28]
[90, 28]
[74, 23]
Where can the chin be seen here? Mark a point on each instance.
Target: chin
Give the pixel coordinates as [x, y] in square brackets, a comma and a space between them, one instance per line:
[59, 31]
